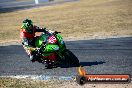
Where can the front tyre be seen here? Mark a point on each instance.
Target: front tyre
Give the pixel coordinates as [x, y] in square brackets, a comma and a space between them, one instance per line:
[70, 58]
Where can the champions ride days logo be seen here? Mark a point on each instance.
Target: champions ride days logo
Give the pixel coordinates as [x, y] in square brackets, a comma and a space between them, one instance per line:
[82, 77]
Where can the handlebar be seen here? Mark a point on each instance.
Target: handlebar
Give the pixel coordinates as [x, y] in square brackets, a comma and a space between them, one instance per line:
[56, 32]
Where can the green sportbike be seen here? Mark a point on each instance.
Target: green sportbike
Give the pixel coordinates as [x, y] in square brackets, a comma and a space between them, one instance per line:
[53, 52]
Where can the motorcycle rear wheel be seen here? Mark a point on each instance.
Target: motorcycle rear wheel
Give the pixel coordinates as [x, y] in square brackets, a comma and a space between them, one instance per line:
[70, 58]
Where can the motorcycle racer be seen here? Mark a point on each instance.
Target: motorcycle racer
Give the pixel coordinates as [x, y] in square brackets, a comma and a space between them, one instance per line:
[27, 35]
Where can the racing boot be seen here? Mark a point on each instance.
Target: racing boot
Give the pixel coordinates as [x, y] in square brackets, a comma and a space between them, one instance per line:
[33, 56]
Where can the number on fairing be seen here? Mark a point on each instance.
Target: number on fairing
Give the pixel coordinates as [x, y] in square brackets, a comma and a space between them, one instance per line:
[52, 39]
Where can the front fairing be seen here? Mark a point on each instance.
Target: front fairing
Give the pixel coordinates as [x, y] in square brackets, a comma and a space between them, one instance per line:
[59, 46]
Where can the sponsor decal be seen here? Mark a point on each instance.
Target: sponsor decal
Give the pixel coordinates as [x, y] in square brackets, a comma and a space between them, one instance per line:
[82, 77]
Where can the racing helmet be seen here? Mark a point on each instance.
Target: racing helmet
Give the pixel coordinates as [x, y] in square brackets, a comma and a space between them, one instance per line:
[27, 24]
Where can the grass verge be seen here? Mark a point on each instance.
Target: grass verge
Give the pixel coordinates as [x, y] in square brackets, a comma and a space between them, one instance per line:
[28, 83]
[82, 19]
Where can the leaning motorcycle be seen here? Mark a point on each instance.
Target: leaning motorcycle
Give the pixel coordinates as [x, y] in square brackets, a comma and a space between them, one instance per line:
[52, 51]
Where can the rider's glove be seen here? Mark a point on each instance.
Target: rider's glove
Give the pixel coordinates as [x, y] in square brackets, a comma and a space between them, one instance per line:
[37, 49]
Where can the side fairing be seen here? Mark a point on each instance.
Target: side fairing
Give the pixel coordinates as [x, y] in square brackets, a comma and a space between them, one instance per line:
[60, 42]
[51, 48]
[39, 40]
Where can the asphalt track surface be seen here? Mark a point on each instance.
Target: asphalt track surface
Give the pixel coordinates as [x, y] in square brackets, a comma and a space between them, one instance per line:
[13, 5]
[98, 56]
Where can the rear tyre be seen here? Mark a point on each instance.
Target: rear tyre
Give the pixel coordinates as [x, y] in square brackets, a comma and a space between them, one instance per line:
[70, 58]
